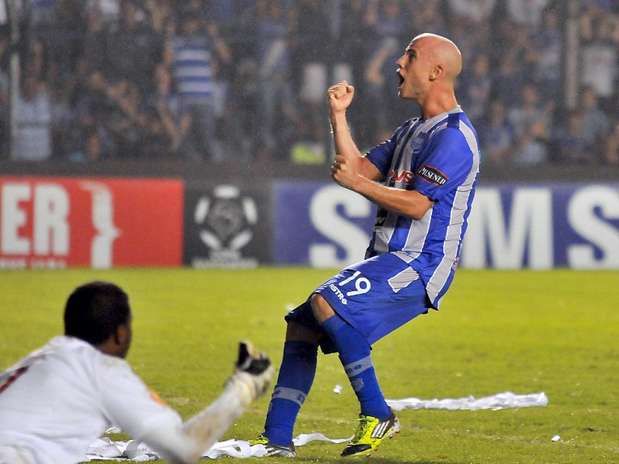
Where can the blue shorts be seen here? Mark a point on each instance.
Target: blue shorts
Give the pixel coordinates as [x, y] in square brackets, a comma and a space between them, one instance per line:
[375, 296]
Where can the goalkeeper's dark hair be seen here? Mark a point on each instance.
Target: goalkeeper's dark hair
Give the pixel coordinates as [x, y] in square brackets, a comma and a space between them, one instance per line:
[95, 310]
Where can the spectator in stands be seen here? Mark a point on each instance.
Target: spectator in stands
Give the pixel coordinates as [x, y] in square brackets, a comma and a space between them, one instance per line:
[193, 54]
[162, 16]
[155, 142]
[175, 122]
[36, 60]
[611, 148]
[508, 79]
[475, 87]
[33, 116]
[350, 58]
[545, 51]
[600, 51]
[472, 11]
[124, 119]
[531, 111]
[62, 36]
[465, 20]
[274, 73]
[311, 27]
[229, 57]
[42, 14]
[531, 120]
[95, 36]
[531, 146]
[596, 123]
[427, 16]
[526, 13]
[61, 117]
[571, 145]
[110, 9]
[91, 147]
[133, 47]
[389, 27]
[497, 136]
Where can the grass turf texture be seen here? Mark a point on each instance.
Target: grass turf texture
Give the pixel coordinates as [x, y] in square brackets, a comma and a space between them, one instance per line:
[552, 331]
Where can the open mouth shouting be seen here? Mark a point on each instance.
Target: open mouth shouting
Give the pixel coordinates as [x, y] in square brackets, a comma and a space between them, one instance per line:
[400, 78]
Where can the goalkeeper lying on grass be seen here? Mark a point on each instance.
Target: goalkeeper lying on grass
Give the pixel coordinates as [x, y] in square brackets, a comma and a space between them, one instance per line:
[59, 399]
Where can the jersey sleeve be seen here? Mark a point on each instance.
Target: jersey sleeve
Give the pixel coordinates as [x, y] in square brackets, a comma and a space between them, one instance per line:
[128, 403]
[382, 154]
[446, 167]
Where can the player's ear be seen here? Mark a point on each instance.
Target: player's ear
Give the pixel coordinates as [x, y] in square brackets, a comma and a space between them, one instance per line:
[436, 72]
[122, 339]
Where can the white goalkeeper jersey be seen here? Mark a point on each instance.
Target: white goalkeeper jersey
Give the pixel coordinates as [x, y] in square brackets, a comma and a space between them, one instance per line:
[59, 399]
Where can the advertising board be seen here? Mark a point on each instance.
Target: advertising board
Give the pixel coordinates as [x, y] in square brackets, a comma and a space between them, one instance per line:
[511, 226]
[56, 222]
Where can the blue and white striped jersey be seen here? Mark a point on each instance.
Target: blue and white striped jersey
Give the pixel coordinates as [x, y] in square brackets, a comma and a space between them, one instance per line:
[439, 158]
[193, 66]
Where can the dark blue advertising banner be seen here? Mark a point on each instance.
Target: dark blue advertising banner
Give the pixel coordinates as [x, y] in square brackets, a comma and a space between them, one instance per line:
[510, 227]
[319, 224]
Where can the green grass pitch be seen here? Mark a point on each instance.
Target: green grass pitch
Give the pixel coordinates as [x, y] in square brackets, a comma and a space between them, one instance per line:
[551, 331]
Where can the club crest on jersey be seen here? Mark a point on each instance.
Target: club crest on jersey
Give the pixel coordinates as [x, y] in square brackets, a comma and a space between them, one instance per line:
[432, 175]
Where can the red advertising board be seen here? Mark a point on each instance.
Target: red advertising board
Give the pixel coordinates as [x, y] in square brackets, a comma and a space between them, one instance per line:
[56, 222]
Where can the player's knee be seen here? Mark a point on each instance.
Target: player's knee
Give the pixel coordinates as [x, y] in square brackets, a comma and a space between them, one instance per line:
[299, 333]
[321, 308]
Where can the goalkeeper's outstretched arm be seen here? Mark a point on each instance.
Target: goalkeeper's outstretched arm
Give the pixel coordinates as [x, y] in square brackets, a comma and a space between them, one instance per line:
[186, 444]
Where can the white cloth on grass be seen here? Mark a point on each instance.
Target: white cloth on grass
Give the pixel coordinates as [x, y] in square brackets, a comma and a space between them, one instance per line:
[108, 450]
[495, 402]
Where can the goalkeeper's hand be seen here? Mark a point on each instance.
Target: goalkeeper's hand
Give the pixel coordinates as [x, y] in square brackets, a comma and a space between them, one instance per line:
[253, 371]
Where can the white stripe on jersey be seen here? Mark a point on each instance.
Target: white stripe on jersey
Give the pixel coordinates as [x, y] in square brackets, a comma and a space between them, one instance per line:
[192, 54]
[419, 229]
[193, 71]
[403, 279]
[456, 220]
[385, 232]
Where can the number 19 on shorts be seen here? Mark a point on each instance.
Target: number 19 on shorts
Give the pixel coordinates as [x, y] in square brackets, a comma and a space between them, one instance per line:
[361, 284]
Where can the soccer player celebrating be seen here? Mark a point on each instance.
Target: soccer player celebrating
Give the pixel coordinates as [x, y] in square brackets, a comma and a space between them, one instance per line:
[58, 400]
[423, 181]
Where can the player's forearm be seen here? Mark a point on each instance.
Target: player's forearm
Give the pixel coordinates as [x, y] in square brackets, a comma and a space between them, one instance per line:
[187, 444]
[409, 203]
[345, 145]
[208, 426]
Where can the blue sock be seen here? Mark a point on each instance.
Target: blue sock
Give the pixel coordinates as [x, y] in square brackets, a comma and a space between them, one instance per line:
[296, 375]
[355, 356]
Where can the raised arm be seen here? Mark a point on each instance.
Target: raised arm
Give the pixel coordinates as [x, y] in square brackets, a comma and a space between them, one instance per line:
[252, 376]
[340, 97]
[355, 172]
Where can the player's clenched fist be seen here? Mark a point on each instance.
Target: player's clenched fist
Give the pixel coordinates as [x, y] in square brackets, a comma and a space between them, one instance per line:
[340, 96]
[344, 171]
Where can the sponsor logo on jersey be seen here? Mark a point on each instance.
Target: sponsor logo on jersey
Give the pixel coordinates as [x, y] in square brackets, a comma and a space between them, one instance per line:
[432, 175]
[338, 293]
[400, 177]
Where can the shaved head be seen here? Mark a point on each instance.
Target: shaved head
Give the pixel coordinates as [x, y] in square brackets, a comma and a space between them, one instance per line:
[427, 72]
[442, 52]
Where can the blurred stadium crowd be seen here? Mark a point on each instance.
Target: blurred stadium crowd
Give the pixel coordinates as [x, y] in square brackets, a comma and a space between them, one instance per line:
[241, 80]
